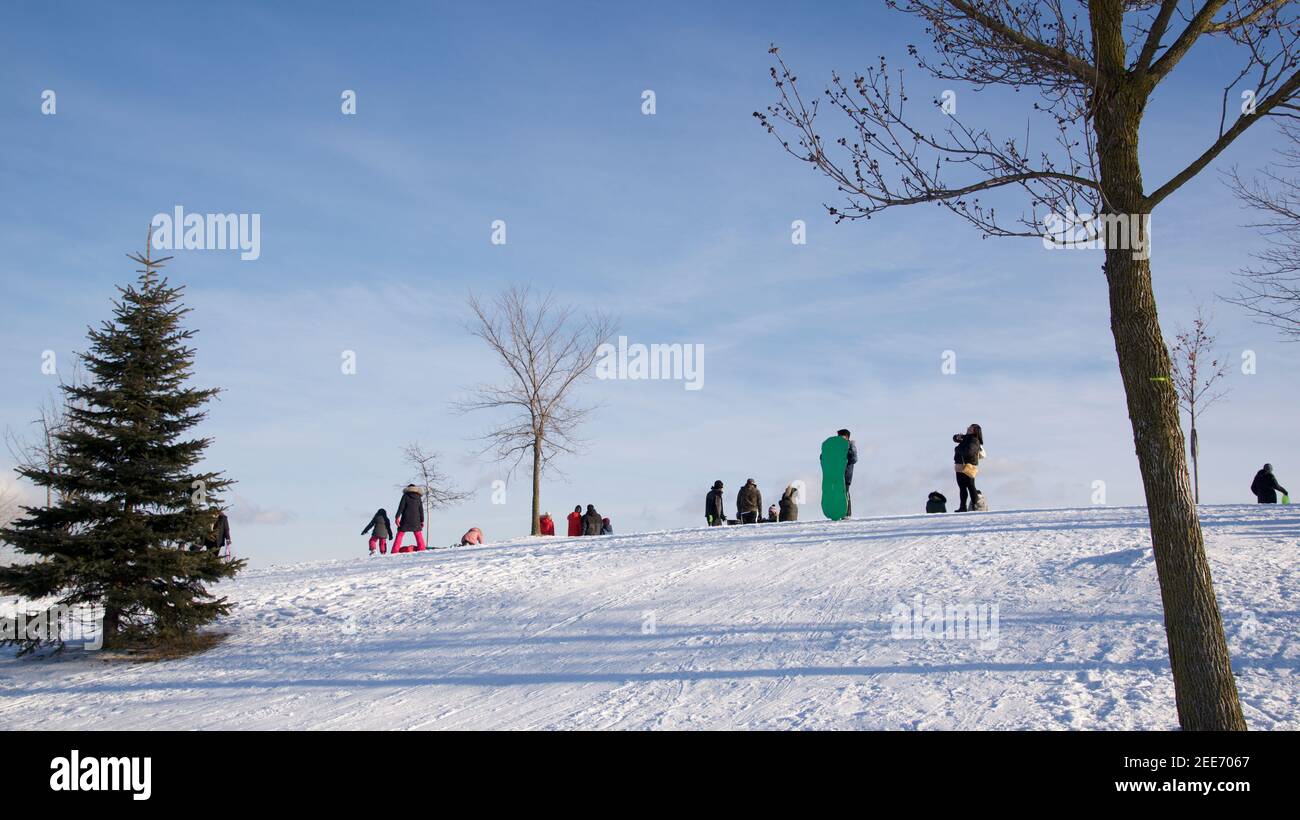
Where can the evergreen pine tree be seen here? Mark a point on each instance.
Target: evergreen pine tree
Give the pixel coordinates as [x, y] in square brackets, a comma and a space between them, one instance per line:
[130, 507]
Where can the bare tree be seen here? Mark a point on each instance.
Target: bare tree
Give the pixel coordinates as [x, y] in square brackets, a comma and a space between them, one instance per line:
[547, 349]
[436, 490]
[1093, 67]
[1271, 290]
[40, 449]
[1196, 373]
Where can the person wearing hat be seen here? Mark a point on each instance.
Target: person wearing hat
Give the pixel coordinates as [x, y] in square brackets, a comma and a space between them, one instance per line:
[1265, 486]
[713, 512]
[749, 503]
[410, 518]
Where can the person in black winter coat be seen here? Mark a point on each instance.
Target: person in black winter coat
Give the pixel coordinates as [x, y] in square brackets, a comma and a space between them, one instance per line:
[410, 518]
[713, 512]
[936, 503]
[592, 522]
[218, 533]
[382, 531]
[966, 459]
[848, 470]
[1265, 486]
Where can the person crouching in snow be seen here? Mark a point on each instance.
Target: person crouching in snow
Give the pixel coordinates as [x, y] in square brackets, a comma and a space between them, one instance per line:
[410, 518]
[380, 530]
[473, 538]
[546, 524]
[575, 521]
[606, 528]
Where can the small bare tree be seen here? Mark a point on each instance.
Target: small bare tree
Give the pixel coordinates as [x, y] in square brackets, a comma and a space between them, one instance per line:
[436, 490]
[1196, 373]
[40, 449]
[547, 349]
[1271, 290]
[1092, 66]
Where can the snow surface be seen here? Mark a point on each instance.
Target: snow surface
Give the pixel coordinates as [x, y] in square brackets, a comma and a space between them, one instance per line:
[778, 626]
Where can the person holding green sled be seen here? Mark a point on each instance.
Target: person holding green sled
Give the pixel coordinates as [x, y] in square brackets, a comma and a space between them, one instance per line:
[838, 456]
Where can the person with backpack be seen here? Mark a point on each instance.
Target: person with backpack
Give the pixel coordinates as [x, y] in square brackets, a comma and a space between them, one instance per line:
[848, 470]
[936, 503]
[575, 521]
[546, 524]
[380, 529]
[410, 518]
[606, 528]
[713, 512]
[749, 503]
[789, 504]
[966, 458]
[1265, 486]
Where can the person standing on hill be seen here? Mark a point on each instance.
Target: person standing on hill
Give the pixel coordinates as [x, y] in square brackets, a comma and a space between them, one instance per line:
[592, 521]
[848, 470]
[713, 512]
[966, 458]
[749, 503]
[606, 528]
[410, 518]
[575, 521]
[380, 529]
[1265, 486]
[218, 536]
[546, 524]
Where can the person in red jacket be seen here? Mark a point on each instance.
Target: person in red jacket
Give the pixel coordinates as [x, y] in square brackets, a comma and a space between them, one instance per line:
[547, 524]
[473, 538]
[575, 521]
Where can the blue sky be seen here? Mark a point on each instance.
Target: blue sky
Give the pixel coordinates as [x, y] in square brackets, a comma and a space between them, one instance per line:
[376, 226]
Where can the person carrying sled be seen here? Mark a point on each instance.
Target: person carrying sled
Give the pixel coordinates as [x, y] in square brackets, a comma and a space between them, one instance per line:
[546, 524]
[380, 529]
[575, 521]
[966, 458]
[410, 518]
[1265, 486]
[789, 504]
[713, 512]
[749, 503]
[592, 521]
[473, 538]
[848, 470]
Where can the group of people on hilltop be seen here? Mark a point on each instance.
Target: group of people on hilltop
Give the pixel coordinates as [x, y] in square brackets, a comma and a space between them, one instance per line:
[588, 523]
[967, 454]
[410, 519]
[749, 505]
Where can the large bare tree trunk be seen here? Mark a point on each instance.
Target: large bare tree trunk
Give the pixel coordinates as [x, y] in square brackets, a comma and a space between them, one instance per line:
[537, 485]
[1205, 691]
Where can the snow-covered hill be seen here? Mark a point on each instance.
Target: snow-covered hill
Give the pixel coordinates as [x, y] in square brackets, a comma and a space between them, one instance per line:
[776, 626]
